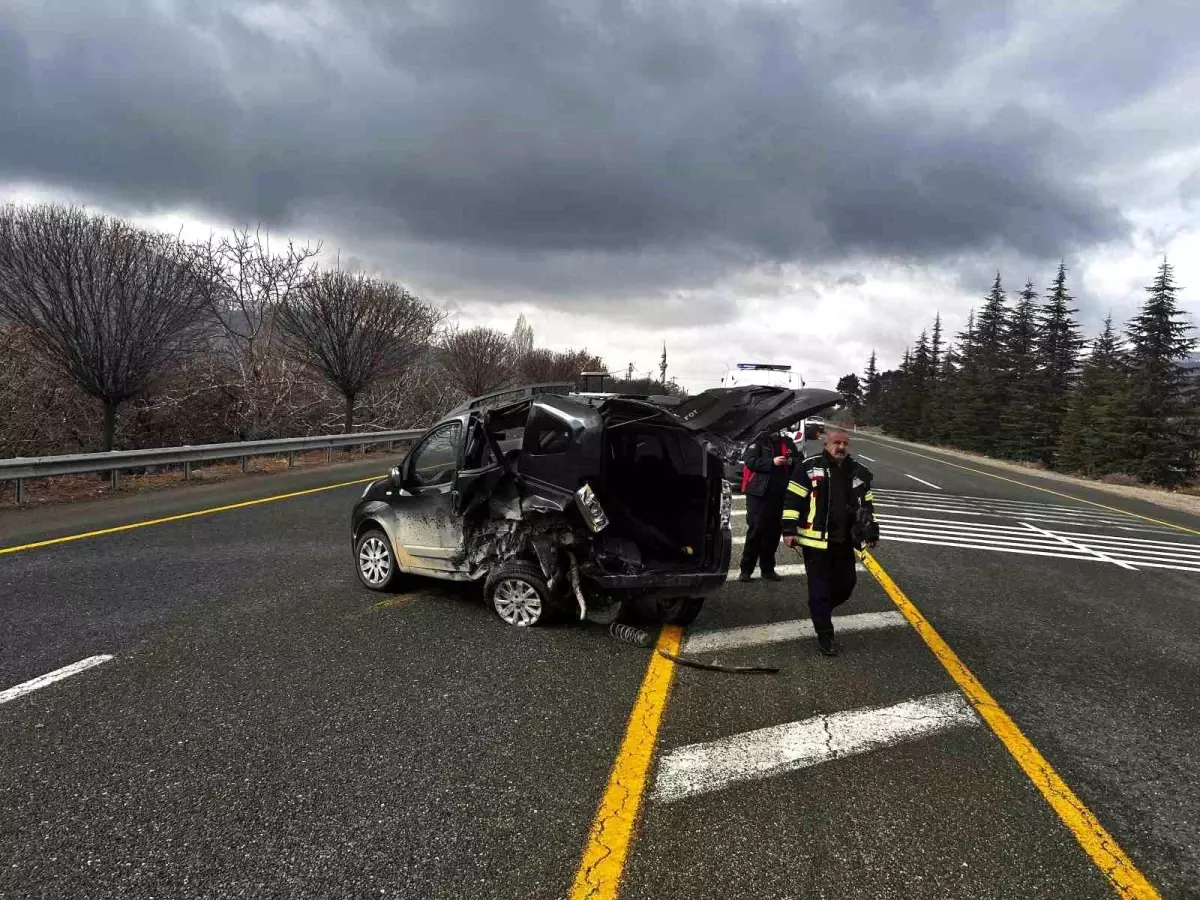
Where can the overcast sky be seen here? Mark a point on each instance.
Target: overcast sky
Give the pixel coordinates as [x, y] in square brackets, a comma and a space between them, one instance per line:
[791, 182]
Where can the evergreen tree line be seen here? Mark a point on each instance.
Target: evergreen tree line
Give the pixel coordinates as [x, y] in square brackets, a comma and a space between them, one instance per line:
[1020, 383]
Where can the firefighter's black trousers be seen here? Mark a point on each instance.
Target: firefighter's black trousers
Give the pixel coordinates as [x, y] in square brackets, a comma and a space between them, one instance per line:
[831, 579]
[764, 521]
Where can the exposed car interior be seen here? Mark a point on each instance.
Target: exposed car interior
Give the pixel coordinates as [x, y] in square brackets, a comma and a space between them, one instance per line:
[656, 489]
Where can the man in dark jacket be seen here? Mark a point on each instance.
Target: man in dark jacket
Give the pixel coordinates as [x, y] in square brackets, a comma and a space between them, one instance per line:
[768, 458]
[829, 511]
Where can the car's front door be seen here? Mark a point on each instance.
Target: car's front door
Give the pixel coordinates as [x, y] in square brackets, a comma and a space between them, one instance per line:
[427, 525]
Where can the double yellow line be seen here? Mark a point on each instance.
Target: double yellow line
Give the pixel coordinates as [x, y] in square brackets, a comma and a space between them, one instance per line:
[607, 848]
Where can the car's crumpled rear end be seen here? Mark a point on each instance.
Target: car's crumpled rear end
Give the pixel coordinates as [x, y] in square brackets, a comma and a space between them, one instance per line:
[615, 497]
[662, 490]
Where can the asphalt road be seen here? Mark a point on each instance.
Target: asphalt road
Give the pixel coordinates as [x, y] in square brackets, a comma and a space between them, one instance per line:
[268, 728]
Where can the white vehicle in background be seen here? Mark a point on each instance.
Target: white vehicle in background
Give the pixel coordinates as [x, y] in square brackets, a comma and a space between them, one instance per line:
[767, 375]
[811, 429]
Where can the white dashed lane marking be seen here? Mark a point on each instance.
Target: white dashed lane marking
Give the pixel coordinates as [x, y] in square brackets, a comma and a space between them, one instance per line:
[28, 687]
[922, 481]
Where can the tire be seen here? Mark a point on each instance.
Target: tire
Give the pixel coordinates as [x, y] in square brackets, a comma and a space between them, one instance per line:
[679, 611]
[375, 561]
[517, 592]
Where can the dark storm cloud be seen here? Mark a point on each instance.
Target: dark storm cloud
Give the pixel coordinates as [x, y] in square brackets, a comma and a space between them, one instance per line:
[533, 129]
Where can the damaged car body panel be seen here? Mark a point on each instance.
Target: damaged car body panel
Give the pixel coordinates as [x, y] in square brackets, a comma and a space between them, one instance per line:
[577, 501]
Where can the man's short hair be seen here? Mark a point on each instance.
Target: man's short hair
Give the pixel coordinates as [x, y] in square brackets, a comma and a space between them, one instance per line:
[837, 429]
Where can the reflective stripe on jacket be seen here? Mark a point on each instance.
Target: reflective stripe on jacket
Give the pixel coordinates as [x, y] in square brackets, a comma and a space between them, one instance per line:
[806, 504]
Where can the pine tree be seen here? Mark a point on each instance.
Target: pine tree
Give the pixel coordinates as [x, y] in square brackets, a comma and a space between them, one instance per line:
[1058, 349]
[851, 389]
[895, 403]
[935, 346]
[1020, 411]
[921, 389]
[1161, 419]
[871, 386]
[1093, 431]
[942, 394]
[961, 389]
[991, 367]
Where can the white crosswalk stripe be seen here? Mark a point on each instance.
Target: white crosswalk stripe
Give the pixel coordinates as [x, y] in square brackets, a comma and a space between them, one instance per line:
[716, 765]
[786, 569]
[778, 632]
[1035, 539]
[963, 523]
[987, 507]
[701, 768]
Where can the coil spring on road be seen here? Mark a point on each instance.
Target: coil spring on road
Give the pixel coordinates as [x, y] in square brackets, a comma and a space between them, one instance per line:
[629, 634]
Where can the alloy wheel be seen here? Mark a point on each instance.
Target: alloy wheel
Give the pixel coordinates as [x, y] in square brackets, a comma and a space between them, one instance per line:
[517, 602]
[375, 561]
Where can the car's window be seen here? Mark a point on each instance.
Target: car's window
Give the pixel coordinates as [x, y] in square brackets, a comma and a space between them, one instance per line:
[435, 461]
[478, 453]
[546, 434]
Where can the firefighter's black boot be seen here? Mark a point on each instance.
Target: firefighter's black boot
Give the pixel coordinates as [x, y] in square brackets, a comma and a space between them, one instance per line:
[826, 643]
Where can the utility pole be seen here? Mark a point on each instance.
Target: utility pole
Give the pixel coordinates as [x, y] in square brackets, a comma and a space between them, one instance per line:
[629, 372]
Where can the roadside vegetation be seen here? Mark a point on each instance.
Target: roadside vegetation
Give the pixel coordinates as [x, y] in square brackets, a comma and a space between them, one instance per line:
[1020, 383]
[115, 337]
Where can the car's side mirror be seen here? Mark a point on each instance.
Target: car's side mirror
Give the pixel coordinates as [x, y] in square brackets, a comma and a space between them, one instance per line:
[396, 477]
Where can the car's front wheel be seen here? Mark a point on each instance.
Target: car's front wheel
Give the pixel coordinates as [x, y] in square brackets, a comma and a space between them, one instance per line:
[518, 594]
[375, 561]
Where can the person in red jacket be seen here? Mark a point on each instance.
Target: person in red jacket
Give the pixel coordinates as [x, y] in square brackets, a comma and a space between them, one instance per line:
[768, 458]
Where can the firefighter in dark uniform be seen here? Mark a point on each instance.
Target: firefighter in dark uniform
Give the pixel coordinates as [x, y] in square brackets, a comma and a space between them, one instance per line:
[769, 458]
[829, 511]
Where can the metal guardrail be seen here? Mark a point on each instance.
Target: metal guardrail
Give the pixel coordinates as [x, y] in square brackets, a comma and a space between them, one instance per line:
[23, 467]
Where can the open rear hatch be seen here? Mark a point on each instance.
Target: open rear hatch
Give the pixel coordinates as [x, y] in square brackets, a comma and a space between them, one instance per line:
[729, 417]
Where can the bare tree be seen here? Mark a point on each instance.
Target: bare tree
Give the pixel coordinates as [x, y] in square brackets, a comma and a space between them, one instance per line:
[111, 305]
[542, 365]
[248, 284]
[354, 331]
[477, 361]
[522, 339]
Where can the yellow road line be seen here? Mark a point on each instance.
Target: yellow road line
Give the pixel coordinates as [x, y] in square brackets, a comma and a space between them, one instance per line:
[1035, 487]
[182, 516]
[1108, 856]
[603, 862]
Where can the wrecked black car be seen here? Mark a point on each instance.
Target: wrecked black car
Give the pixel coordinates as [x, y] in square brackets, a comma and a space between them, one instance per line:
[588, 503]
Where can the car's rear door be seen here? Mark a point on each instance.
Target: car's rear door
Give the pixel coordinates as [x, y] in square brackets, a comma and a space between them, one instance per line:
[729, 417]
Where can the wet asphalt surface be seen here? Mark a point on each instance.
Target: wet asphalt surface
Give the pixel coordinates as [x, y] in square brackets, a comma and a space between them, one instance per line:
[269, 729]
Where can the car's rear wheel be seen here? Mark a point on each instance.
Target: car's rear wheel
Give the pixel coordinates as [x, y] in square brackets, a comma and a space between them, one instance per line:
[518, 594]
[374, 560]
[679, 610]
